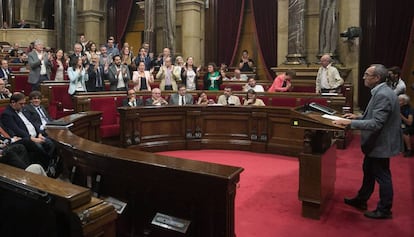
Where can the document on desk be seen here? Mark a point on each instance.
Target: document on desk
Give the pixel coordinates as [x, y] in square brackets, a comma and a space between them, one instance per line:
[333, 117]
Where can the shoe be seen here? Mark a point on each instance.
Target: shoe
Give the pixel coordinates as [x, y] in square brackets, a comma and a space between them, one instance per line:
[377, 214]
[357, 203]
[408, 153]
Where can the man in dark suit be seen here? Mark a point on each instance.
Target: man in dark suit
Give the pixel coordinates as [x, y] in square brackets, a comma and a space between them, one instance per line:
[181, 97]
[5, 71]
[35, 112]
[118, 75]
[4, 92]
[18, 124]
[96, 75]
[381, 139]
[132, 100]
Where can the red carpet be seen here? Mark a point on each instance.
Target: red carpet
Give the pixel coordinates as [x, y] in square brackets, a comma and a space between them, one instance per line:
[267, 204]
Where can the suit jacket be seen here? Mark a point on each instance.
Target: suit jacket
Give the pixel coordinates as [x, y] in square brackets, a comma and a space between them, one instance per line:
[380, 124]
[14, 124]
[138, 102]
[8, 72]
[30, 112]
[93, 75]
[113, 78]
[174, 99]
[34, 64]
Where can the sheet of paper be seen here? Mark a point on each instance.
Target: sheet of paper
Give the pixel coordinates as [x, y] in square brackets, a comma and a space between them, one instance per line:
[333, 117]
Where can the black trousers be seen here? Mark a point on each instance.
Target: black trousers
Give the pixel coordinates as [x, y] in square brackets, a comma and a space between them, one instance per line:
[377, 169]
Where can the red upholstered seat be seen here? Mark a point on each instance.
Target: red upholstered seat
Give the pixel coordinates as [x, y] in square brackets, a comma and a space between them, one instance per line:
[61, 103]
[233, 86]
[21, 84]
[110, 115]
[284, 101]
[310, 89]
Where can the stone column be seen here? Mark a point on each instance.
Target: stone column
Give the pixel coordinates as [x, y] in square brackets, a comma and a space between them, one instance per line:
[296, 31]
[70, 25]
[149, 21]
[328, 28]
[10, 12]
[59, 29]
[169, 30]
[191, 29]
[89, 21]
[1, 13]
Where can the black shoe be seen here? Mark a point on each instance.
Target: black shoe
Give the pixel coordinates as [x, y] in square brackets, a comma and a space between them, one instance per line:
[408, 153]
[357, 203]
[377, 214]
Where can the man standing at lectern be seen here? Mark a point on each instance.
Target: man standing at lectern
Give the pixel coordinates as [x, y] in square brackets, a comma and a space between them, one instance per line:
[380, 127]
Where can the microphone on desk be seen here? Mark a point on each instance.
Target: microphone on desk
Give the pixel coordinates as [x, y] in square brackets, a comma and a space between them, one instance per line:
[72, 174]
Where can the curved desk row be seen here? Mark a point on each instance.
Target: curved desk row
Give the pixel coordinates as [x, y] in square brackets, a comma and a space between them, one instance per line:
[201, 192]
[257, 129]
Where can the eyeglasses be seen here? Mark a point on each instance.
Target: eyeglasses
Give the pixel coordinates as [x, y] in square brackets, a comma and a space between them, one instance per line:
[368, 75]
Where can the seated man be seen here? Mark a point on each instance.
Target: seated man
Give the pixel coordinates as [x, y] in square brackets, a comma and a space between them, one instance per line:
[406, 123]
[228, 98]
[252, 99]
[251, 84]
[22, 58]
[181, 97]
[4, 92]
[238, 76]
[18, 124]
[132, 100]
[35, 112]
[328, 79]
[156, 98]
[283, 82]
[5, 71]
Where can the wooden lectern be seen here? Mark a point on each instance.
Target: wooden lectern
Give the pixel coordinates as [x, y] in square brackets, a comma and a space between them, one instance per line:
[317, 162]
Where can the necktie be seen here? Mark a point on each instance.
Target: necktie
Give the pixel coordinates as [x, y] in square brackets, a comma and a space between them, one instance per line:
[98, 78]
[182, 100]
[42, 115]
[134, 104]
[227, 99]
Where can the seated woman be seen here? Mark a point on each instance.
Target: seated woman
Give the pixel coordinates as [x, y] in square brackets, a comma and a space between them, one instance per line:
[283, 82]
[406, 123]
[252, 99]
[203, 99]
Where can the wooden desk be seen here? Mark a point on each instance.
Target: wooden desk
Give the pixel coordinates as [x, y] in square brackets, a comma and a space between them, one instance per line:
[64, 198]
[201, 192]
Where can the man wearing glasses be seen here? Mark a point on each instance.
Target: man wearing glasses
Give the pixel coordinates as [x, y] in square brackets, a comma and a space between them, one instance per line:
[381, 139]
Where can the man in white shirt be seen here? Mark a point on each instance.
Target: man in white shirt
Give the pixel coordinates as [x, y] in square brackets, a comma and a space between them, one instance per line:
[251, 84]
[328, 79]
[394, 80]
[228, 99]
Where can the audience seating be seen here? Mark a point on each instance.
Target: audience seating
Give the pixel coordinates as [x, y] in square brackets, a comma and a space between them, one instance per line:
[60, 102]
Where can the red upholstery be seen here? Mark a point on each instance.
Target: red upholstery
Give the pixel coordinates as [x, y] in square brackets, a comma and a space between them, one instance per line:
[265, 99]
[284, 101]
[110, 116]
[61, 103]
[21, 84]
[310, 89]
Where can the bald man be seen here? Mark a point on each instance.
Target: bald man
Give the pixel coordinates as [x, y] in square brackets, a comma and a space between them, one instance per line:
[328, 79]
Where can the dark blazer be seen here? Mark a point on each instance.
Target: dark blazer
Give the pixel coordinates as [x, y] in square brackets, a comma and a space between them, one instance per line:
[174, 99]
[30, 112]
[138, 102]
[14, 124]
[8, 72]
[93, 75]
[113, 78]
[184, 77]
